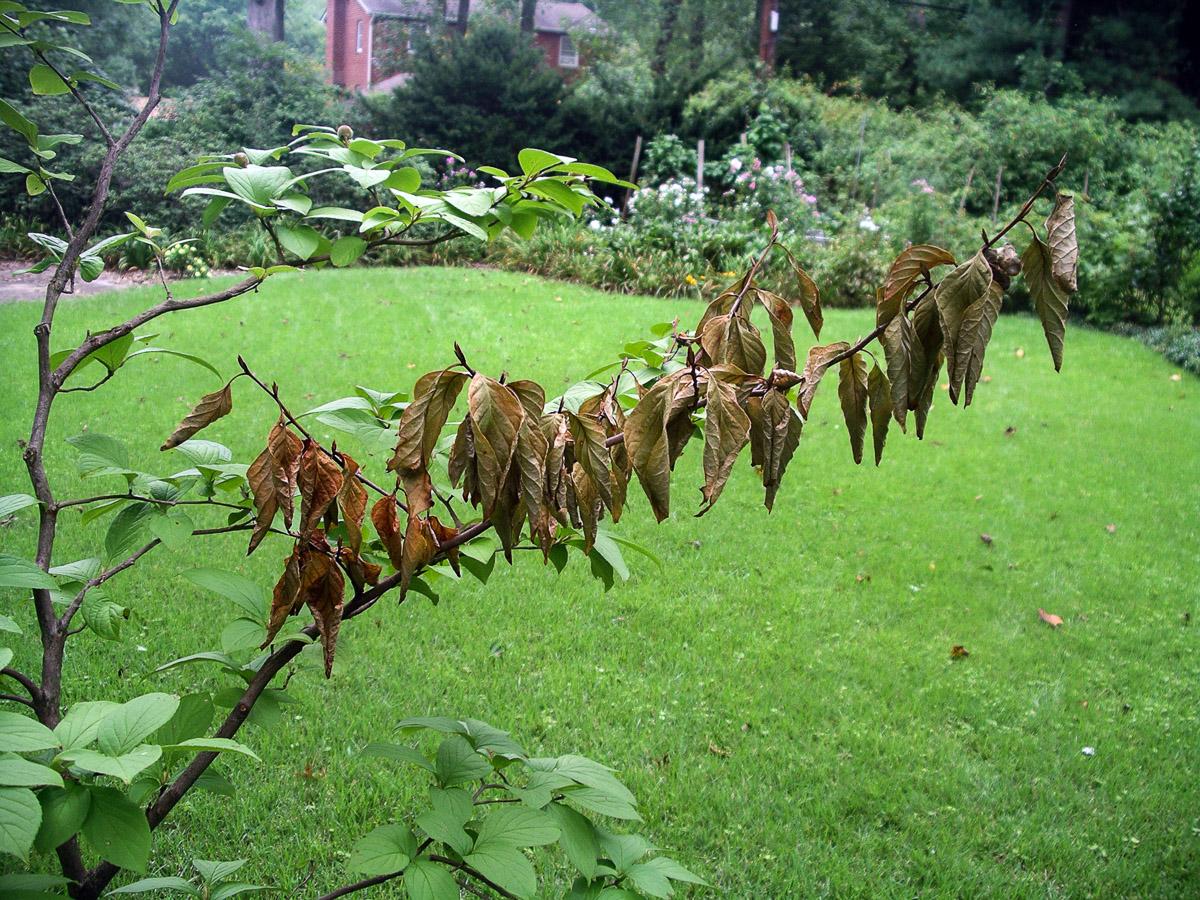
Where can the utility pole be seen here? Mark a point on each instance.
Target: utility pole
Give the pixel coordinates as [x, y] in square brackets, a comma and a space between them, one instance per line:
[768, 31]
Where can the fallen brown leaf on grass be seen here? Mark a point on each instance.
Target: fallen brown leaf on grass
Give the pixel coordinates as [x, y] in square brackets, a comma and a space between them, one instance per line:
[717, 750]
[986, 538]
[1049, 618]
[1175, 376]
[1110, 528]
[958, 651]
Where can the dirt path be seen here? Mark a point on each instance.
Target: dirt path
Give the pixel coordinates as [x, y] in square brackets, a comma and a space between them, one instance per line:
[15, 288]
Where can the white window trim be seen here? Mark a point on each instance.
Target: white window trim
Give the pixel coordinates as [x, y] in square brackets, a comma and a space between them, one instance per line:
[358, 36]
[569, 59]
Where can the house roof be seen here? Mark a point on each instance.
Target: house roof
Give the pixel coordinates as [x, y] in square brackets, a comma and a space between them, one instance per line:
[553, 16]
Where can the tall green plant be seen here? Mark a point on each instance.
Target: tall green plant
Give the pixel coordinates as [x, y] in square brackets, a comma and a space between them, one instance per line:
[91, 783]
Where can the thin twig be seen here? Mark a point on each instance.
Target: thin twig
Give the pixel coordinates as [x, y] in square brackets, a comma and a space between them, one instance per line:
[15, 698]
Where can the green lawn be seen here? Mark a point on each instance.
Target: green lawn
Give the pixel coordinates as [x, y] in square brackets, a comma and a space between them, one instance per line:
[780, 696]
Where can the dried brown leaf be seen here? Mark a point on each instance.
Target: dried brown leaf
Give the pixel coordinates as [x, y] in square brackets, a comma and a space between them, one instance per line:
[879, 393]
[387, 525]
[320, 481]
[726, 432]
[422, 421]
[210, 408]
[1063, 242]
[852, 391]
[909, 267]
[819, 359]
[1048, 295]
[958, 298]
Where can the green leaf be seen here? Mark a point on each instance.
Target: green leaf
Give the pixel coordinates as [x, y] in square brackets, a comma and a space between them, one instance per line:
[165, 883]
[18, 123]
[559, 193]
[385, 850]
[232, 889]
[190, 357]
[191, 720]
[258, 184]
[217, 870]
[173, 527]
[17, 771]
[7, 624]
[22, 734]
[80, 725]
[451, 810]
[649, 880]
[63, 813]
[46, 82]
[19, 573]
[100, 454]
[20, 818]
[426, 880]
[126, 766]
[102, 616]
[517, 826]
[6, 656]
[134, 721]
[506, 866]
[127, 532]
[577, 837]
[533, 160]
[674, 870]
[458, 762]
[250, 597]
[242, 634]
[302, 240]
[117, 829]
[13, 502]
[346, 250]
[215, 745]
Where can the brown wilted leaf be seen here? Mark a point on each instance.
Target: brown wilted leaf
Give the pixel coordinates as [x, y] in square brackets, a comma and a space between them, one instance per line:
[419, 548]
[422, 421]
[360, 571]
[657, 430]
[986, 538]
[909, 267]
[320, 481]
[717, 750]
[958, 651]
[852, 391]
[779, 429]
[733, 340]
[780, 313]
[442, 535]
[1110, 528]
[726, 432]
[810, 297]
[592, 454]
[496, 416]
[1061, 238]
[1048, 295]
[387, 526]
[1049, 618]
[962, 305]
[352, 500]
[588, 503]
[210, 408]
[272, 479]
[324, 597]
[819, 359]
[927, 331]
[879, 393]
[906, 365]
[981, 318]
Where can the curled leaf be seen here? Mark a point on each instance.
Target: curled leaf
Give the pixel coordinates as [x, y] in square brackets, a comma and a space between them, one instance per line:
[819, 360]
[320, 481]
[1063, 243]
[210, 408]
[909, 267]
[1049, 297]
[962, 304]
[387, 525]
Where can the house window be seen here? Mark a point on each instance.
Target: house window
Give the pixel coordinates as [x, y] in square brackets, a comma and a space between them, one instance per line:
[358, 42]
[568, 55]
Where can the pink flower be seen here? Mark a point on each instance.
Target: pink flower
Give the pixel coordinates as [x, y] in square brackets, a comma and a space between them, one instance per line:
[735, 164]
[753, 185]
[757, 164]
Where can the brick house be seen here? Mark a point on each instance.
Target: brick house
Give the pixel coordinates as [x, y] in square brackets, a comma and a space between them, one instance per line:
[368, 42]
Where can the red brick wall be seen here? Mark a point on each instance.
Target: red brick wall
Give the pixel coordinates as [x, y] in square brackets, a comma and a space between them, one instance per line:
[548, 44]
[347, 66]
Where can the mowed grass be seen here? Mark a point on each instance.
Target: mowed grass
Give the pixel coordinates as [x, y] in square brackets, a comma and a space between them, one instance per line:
[780, 694]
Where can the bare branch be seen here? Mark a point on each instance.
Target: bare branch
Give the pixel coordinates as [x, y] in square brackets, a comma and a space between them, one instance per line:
[14, 698]
[25, 681]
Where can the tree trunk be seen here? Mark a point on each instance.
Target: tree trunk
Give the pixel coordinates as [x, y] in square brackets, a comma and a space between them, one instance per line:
[265, 18]
[464, 13]
[528, 8]
[666, 34]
